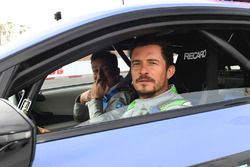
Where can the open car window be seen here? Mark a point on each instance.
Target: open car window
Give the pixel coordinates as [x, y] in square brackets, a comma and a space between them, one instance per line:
[205, 76]
[54, 105]
[212, 72]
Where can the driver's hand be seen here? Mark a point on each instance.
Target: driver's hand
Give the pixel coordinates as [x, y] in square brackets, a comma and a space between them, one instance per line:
[43, 130]
[99, 89]
[85, 96]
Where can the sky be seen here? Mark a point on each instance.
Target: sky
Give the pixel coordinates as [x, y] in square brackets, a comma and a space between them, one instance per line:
[35, 13]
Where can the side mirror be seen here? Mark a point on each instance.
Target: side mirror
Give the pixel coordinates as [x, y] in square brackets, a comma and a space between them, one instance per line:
[17, 136]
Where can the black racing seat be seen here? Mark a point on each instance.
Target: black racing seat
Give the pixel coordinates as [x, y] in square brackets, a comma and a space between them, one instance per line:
[196, 65]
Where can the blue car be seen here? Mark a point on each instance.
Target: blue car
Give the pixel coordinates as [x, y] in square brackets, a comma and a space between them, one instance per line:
[41, 76]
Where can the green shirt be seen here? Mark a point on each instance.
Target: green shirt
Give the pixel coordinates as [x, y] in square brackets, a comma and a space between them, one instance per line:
[168, 100]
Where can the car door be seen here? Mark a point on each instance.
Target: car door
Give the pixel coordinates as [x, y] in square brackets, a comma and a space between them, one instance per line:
[182, 141]
[210, 132]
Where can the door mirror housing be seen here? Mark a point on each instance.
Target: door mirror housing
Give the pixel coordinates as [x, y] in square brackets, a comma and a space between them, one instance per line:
[17, 136]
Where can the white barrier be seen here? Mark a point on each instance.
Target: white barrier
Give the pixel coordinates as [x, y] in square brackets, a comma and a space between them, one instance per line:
[80, 68]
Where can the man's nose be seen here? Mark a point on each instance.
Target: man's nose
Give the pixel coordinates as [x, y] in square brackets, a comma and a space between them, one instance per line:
[100, 73]
[143, 69]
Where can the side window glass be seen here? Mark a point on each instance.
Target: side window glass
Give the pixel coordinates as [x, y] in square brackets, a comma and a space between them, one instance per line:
[78, 72]
[53, 109]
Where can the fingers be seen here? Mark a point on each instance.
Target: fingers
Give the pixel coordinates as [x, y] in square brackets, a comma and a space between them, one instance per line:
[43, 130]
[99, 90]
[85, 96]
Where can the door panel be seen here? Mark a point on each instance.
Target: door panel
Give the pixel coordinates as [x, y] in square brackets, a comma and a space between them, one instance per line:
[182, 141]
[56, 105]
[60, 101]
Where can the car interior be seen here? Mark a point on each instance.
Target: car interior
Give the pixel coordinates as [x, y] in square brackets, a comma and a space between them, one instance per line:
[210, 68]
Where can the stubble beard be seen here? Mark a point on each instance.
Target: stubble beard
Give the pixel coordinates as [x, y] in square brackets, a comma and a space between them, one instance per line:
[151, 93]
[143, 93]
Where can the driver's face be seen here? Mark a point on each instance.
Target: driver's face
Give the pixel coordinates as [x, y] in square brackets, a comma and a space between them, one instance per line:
[149, 71]
[103, 73]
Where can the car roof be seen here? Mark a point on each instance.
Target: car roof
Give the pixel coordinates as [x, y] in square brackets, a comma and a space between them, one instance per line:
[36, 37]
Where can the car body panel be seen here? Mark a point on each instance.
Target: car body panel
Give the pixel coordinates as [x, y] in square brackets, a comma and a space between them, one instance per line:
[180, 141]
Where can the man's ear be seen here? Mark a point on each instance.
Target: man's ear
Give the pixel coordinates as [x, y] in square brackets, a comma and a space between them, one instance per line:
[170, 71]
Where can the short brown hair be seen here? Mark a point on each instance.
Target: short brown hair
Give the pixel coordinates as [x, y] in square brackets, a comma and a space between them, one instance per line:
[167, 52]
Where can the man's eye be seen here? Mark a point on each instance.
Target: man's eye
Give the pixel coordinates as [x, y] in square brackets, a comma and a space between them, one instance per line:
[135, 64]
[153, 63]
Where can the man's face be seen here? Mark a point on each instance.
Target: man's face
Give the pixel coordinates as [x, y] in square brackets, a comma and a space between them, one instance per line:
[103, 73]
[149, 71]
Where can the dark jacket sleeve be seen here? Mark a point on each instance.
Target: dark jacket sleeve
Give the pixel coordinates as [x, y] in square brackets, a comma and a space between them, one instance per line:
[80, 111]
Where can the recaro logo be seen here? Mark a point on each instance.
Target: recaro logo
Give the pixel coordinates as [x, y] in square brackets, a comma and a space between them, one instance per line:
[195, 55]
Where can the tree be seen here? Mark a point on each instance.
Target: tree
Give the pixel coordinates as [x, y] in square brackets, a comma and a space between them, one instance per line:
[10, 30]
[2, 31]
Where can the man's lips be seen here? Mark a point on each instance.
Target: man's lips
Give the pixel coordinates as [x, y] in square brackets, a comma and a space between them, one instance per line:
[144, 79]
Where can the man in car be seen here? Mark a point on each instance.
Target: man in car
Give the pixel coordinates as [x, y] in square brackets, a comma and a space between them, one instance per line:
[151, 68]
[107, 93]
